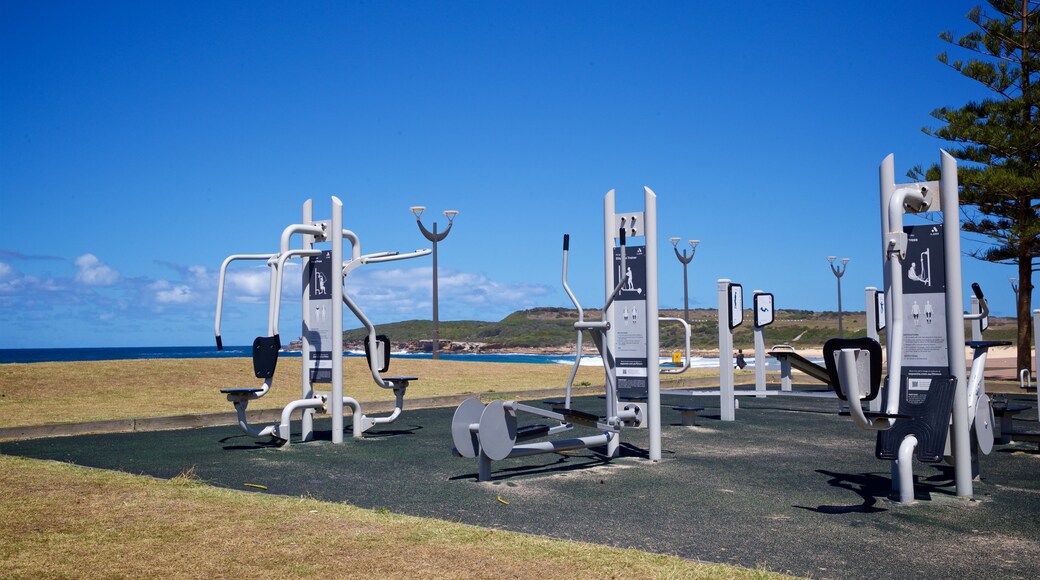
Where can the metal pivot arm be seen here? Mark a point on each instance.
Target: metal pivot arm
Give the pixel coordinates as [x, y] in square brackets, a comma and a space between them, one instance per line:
[851, 366]
[983, 304]
[581, 319]
[220, 287]
[380, 257]
[370, 328]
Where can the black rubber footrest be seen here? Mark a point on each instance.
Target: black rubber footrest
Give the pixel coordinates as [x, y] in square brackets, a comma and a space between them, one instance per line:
[531, 431]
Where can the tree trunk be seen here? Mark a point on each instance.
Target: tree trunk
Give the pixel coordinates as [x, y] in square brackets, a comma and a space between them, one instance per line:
[1025, 318]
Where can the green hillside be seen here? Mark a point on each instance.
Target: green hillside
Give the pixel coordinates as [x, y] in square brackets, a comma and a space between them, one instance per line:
[553, 328]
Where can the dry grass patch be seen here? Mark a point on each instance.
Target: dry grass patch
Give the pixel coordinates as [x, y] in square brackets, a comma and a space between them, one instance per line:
[42, 393]
[67, 521]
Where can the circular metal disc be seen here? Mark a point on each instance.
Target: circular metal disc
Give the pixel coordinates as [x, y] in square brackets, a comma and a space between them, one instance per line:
[984, 424]
[497, 430]
[466, 441]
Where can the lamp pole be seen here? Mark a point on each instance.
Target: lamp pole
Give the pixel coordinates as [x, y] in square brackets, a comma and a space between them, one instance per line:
[839, 271]
[1014, 286]
[685, 261]
[434, 237]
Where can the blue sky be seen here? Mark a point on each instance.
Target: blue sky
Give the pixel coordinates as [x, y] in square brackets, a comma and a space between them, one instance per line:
[142, 143]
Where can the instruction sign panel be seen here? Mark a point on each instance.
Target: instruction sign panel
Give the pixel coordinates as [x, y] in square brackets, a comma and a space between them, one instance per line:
[925, 352]
[317, 278]
[736, 305]
[763, 309]
[879, 311]
[629, 324]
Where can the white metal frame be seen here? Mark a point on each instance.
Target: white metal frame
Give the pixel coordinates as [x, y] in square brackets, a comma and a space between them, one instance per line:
[335, 402]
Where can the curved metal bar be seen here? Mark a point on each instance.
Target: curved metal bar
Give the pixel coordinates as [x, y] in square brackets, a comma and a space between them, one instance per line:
[278, 271]
[306, 229]
[686, 360]
[369, 327]
[220, 283]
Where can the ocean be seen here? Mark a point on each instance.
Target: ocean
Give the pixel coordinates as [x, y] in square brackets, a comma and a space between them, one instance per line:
[36, 355]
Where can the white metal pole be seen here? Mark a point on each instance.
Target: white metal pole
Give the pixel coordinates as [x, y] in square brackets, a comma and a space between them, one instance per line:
[336, 237]
[869, 301]
[609, 231]
[976, 324]
[888, 189]
[727, 405]
[307, 390]
[955, 322]
[653, 339]
[1036, 353]
[760, 352]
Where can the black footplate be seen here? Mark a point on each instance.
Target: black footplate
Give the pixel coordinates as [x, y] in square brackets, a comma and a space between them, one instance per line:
[531, 431]
[580, 417]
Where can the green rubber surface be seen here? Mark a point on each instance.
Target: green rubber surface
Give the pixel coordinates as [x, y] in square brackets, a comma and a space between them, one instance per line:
[789, 486]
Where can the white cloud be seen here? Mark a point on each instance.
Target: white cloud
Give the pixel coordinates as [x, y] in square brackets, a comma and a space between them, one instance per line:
[6, 271]
[166, 293]
[407, 292]
[94, 272]
[252, 283]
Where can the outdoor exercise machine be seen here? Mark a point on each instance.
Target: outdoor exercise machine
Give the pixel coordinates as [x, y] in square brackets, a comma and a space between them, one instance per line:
[324, 294]
[627, 338]
[731, 316]
[926, 383]
[790, 360]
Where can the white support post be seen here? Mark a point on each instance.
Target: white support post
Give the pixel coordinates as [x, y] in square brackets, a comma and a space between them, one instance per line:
[872, 331]
[307, 390]
[955, 323]
[760, 356]
[727, 402]
[609, 231]
[976, 324]
[336, 237]
[653, 339]
[1036, 354]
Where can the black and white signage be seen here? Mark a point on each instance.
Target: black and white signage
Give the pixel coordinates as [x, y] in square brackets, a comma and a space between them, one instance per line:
[763, 309]
[736, 305]
[630, 324]
[925, 352]
[318, 325]
[879, 311]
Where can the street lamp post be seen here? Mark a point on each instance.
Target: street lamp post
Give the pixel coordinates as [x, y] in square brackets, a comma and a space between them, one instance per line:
[434, 237]
[685, 261]
[1014, 286]
[839, 271]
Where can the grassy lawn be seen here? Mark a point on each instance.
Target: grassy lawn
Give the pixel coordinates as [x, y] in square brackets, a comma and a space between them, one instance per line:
[42, 393]
[64, 521]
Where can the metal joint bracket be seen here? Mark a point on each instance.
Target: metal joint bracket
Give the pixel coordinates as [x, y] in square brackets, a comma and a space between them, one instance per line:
[632, 222]
[929, 200]
[324, 231]
[897, 242]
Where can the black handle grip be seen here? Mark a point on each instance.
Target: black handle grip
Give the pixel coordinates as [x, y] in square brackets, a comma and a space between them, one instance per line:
[977, 290]
[622, 230]
[220, 345]
[566, 242]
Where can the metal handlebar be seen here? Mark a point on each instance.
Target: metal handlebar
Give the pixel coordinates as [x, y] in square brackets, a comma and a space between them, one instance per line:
[220, 287]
